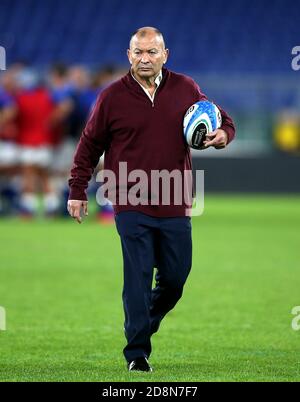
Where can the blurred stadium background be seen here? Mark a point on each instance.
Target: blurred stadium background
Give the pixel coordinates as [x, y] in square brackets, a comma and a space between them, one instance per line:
[68, 51]
[60, 55]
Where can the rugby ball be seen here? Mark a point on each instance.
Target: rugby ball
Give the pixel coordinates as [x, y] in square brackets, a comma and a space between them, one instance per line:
[200, 119]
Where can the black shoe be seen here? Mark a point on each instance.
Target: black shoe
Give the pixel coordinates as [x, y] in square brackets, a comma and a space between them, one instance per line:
[139, 364]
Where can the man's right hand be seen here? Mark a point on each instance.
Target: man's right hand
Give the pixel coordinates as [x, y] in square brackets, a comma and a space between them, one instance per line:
[75, 207]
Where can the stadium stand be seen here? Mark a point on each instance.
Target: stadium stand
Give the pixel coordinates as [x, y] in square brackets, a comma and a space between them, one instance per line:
[216, 37]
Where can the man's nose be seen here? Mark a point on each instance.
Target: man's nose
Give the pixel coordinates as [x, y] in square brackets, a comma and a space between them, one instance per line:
[145, 58]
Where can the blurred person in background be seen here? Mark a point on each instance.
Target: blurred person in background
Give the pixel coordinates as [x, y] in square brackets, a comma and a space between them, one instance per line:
[73, 96]
[74, 91]
[286, 132]
[286, 129]
[35, 138]
[104, 76]
[8, 146]
[85, 88]
[61, 95]
[101, 79]
[84, 97]
[63, 143]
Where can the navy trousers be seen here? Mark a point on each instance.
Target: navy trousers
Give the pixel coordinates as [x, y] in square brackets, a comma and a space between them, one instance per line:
[148, 243]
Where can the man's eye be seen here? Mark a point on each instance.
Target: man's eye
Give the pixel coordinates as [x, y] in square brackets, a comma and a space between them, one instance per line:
[152, 52]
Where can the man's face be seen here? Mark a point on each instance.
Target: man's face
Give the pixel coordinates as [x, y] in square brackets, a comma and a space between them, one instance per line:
[147, 55]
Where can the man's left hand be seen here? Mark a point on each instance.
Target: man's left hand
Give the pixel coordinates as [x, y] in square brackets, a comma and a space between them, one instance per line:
[217, 139]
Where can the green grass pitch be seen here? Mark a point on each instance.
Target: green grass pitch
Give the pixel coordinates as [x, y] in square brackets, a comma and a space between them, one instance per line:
[61, 285]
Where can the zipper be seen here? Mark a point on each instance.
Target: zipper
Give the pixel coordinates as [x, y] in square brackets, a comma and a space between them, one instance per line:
[153, 98]
[149, 97]
[155, 94]
[147, 94]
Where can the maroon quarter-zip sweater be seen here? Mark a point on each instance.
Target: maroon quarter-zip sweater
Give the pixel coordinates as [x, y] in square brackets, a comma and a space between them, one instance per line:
[147, 135]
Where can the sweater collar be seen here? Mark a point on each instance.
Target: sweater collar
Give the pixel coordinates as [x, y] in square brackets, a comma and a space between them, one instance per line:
[131, 80]
[157, 79]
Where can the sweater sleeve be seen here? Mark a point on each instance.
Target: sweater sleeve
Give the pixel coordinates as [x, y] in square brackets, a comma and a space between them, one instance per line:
[227, 122]
[91, 146]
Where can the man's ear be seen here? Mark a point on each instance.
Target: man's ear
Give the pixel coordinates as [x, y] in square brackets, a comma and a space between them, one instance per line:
[129, 56]
[167, 52]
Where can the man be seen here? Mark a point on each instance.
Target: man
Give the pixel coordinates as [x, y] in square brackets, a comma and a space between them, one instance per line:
[35, 138]
[138, 120]
[8, 146]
